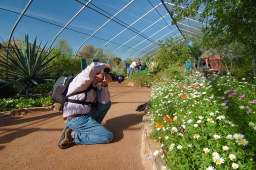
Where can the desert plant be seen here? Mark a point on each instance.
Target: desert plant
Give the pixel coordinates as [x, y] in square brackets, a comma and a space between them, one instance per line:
[28, 66]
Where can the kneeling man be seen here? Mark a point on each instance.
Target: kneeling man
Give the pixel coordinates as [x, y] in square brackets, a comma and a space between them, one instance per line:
[84, 112]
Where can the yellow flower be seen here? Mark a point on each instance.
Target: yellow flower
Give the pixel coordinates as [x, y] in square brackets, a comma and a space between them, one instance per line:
[158, 125]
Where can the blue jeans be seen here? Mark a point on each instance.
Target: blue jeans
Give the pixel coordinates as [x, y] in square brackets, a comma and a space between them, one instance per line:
[88, 130]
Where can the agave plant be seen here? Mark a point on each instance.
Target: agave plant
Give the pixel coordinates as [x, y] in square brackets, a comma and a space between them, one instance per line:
[27, 66]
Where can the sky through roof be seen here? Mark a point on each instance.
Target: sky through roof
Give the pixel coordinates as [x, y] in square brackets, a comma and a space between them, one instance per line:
[126, 28]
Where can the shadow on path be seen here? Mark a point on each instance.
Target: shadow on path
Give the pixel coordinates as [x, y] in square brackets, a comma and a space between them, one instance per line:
[117, 102]
[118, 124]
[14, 120]
[2, 147]
[20, 133]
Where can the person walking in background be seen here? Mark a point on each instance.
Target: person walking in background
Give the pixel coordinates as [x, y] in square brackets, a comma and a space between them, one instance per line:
[188, 66]
[132, 68]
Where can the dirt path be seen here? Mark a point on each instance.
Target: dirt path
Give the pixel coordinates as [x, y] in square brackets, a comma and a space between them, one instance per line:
[30, 141]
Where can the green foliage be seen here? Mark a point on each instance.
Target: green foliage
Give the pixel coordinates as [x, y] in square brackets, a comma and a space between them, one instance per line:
[227, 21]
[175, 71]
[142, 78]
[43, 89]
[171, 53]
[19, 103]
[199, 123]
[89, 52]
[63, 64]
[64, 48]
[27, 66]
[166, 63]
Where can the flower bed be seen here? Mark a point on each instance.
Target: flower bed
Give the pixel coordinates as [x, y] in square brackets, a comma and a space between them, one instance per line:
[19, 103]
[205, 124]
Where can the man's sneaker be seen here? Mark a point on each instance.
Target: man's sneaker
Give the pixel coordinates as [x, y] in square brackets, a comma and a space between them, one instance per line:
[62, 135]
[66, 139]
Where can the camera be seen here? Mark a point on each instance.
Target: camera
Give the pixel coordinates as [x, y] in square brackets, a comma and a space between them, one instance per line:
[114, 77]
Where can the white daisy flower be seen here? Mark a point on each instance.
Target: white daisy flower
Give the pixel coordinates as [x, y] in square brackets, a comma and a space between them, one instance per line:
[241, 107]
[216, 137]
[215, 155]
[218, 161]
[195, 125]
[225, 148]
[220, 117]
[243, 142]
[251, 124]
[210, 168]
[238, 136]
[180, 134]
[196, 136]
[211, 114]
[232, 157]
[206, 150]
[174, 118]
[174, 130]
[199, 121]
[171, 146]
[189, 121]
[229, 137]
[179, 147]
[200, 117]
[235, 166]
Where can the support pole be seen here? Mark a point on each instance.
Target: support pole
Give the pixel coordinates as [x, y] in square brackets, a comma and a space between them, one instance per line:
[13, 29]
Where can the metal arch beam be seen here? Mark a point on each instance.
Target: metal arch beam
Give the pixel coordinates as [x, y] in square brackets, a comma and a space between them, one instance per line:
[103, 25]
[171, 15]
[192, 20]
[140, 32]
[182, 7]
[18, 20]
[151, 42]
[69, 22]
[161, 17]
[195, 28]
[151, 35]
[172, 4]
[132, 24]
[59, 25]
[13, 29]
[191, 32]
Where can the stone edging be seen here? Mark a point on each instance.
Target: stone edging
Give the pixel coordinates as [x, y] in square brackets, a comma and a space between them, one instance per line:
[25, 110]
[151, 158]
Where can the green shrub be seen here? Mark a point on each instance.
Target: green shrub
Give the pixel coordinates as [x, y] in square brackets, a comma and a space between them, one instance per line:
[142, 78]
[43, 89]
[9, 103]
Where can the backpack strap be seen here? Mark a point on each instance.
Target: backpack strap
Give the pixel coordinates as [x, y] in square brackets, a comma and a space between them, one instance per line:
[79, 102]
[83, 91]
[79, 92]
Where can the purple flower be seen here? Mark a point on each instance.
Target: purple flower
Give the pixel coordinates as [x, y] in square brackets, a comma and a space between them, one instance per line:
[231, 93]
[253, 101]
[242, 96]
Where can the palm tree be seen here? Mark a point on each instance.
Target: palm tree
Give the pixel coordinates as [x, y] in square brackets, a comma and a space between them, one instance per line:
[27, 66]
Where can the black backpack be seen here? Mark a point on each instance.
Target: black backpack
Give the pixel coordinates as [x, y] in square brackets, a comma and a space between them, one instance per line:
[60, 89]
